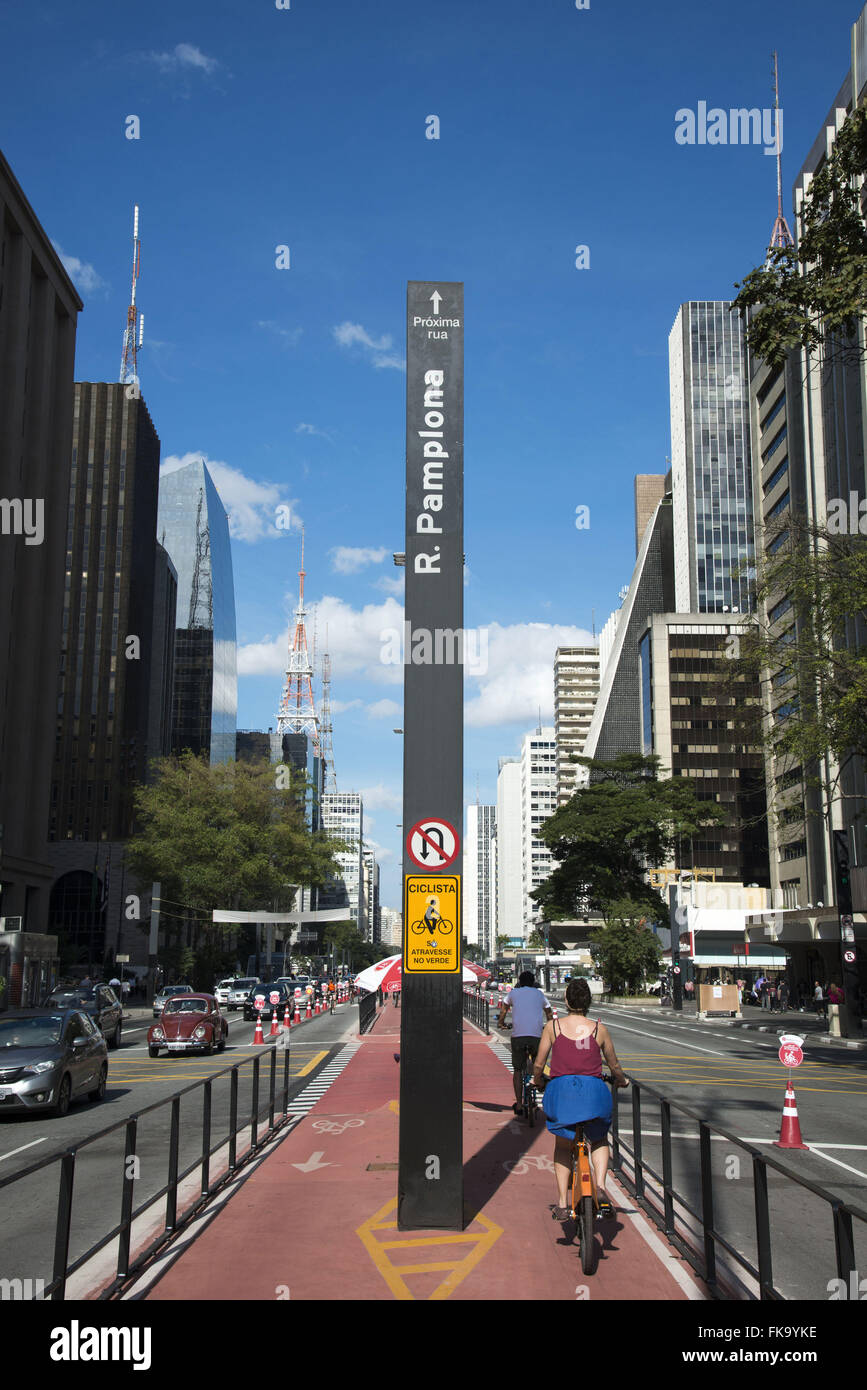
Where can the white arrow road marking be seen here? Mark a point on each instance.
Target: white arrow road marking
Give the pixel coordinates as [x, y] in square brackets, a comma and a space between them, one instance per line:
[313, 1163]
[436, 297]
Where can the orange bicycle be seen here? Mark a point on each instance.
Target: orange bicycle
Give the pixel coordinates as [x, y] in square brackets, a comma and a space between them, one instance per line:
[584, 1200]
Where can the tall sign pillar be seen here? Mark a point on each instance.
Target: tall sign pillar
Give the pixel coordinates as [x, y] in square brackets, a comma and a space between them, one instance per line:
[430, 1168]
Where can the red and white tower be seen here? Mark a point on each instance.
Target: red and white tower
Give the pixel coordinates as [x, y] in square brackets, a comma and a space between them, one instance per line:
[297, 713]
[781, 236]
[129, 359]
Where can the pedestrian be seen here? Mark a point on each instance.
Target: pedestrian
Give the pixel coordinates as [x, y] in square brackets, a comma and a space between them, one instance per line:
[784, 996]
[819, 999]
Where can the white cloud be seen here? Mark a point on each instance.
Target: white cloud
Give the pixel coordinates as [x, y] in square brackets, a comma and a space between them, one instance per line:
[357, 639]
[380, 798]
[353, 334]
[312, 429]
[252, 506]
[384, 709]
[348, 559]
[289, 336]
[341, 706]
[184, 55]
[81, 273]
[391, 586]
[520, 675]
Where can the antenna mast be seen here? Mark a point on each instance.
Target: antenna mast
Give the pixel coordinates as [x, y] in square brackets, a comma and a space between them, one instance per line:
[781, 236]
[297, 713]
[129, 359]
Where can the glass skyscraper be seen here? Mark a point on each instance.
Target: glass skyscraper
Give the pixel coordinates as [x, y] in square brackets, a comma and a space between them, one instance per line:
[194, 528]
[710, 460]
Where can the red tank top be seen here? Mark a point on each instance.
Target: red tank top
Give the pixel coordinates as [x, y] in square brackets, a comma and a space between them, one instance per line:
[576, 1056]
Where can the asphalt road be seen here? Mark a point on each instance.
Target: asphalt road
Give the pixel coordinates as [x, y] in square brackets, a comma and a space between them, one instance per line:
[136, 1081]
[733, 1079]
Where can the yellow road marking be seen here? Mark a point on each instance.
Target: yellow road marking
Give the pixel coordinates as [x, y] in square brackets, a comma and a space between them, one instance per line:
[394, 1274]
[310, 1065]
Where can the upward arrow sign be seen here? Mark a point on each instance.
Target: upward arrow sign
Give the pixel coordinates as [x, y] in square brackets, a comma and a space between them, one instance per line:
[436, 297]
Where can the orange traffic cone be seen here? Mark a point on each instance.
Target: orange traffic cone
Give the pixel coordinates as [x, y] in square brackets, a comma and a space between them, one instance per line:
[297, 1012]
[308, 1013]
[275, 1023]
[257, 1036]
[790, 1131]
[287, 1021]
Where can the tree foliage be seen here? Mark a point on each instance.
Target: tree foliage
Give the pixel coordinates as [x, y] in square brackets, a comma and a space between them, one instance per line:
[809, 295]
[625, 949]
[345, 936]
[625, 821]
[811, 656]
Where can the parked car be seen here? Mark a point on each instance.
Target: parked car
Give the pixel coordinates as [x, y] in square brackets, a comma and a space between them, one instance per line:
[189, 1023]
[48, 1058]
[99, 1002]
[167, 992]
[286, 992]
[238, 992]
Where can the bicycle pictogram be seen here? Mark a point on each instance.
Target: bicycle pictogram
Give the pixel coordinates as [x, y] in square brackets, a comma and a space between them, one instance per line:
[331, 1127]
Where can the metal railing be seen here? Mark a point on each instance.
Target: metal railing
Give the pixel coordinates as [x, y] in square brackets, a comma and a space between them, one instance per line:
[129, 1213]
[477, 1010]
[660, 1203]
[366, 1012]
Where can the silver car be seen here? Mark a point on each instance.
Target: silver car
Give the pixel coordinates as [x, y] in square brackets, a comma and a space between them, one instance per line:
[48, 1058]
[239, 991]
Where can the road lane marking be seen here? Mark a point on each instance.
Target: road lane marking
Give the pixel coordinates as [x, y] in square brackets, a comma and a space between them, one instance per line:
[314, 1061]
[12, 1152]
[840, 1164]
[692, 1046]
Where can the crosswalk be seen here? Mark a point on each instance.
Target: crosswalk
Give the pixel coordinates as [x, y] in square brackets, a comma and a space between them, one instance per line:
[303, 1103]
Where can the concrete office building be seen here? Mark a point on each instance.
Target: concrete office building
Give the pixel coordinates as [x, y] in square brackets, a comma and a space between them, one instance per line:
[38, 313]
[372, 909]
[616, 724]
[343, 817]
[194, 528]
[809, 421]
[650, 488]
[538, 803]
[479, 885]
[576, 688]
[710, 460]
[509, 853]
[116, 657]
[689, 723]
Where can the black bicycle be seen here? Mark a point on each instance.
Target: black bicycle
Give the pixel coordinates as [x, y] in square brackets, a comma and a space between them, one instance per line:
[439, 925]
[529, 1094]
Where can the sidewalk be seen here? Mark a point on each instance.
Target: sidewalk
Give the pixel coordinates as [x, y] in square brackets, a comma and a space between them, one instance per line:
[317, 1219]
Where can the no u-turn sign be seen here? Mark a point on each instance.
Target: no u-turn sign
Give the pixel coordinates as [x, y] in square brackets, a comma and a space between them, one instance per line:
[433, 844]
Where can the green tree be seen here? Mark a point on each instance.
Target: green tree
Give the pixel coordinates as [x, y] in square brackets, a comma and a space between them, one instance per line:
[536, 940]
[224, 836]
[816, 295]
[626, 820]
[345, 936]
[807, 655]
[625, 949]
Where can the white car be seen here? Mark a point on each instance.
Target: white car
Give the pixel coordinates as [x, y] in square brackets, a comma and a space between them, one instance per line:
[221, 991]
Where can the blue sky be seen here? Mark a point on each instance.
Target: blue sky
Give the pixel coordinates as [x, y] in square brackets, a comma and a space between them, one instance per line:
[306, 127]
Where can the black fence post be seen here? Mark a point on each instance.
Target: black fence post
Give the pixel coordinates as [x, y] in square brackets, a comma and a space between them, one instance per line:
[763, 1226]
[707, 1203]
[254, 1105]
[272, 1087]
[286, 1083]
[844, 1242]
[636, 1139]
[172, 1194]
[233, 1120]
[206, 1138]
[64, 1221]
[667, 1178]
[130, 1162]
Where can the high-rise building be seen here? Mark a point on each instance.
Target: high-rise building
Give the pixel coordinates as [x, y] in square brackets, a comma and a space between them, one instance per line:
[616, 724]
[343, 818]
[688, 722]
[509, 853]
[809, 418]
[538, 803]
[710, 460]
[576, 687]
[38, 313]
[372, 911]
[479, 907]
[116, 652]
[649, 490]
[194, 528]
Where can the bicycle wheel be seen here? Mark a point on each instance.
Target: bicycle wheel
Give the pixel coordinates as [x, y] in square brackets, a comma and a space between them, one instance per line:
[529, 1100]
[586, 1227]
[417, 927]
[445, 927]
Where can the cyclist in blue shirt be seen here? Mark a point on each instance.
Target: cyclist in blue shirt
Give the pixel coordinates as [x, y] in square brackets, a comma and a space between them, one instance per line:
[530, 1011]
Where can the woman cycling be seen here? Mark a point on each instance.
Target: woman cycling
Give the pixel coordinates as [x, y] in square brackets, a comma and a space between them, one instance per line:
[576, 1093]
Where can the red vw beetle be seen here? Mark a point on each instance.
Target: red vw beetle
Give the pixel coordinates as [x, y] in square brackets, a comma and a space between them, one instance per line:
[189, 1023]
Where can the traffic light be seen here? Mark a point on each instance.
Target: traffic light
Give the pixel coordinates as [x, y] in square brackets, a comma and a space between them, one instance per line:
[841, 871]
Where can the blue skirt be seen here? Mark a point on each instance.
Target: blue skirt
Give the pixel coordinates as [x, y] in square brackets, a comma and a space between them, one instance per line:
[573, 1100]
